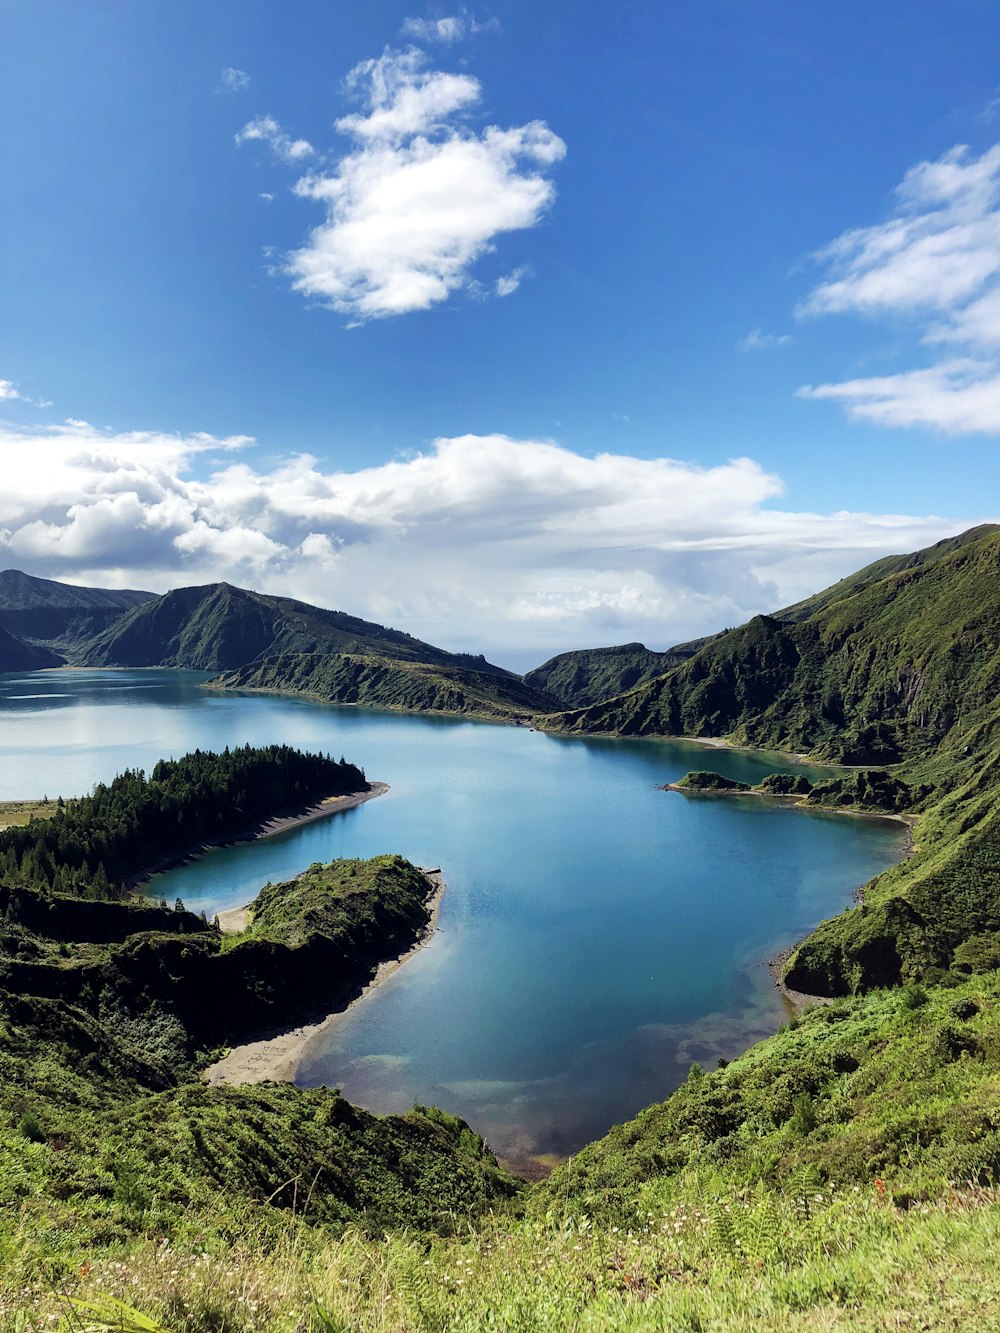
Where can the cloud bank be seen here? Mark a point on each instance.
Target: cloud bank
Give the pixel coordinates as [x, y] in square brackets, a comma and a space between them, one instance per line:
[520, 548]
[935, 263]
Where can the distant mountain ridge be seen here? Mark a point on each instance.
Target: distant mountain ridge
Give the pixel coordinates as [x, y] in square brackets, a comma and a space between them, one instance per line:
[58, 617]
[587, 676]
[19, 655]
[258, 641]
[379, 682]
[218, 627]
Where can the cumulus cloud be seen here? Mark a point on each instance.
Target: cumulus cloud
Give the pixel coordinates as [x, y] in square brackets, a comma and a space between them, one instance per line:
[420, 197]
[235, 80]
[451, 28]
[8, 390]
[520, 548]
[934, 262]
[265, 129]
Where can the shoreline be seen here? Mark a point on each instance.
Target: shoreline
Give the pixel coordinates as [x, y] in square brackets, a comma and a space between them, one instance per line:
[800, 1000]
[790, 802]
[329, 805]
[276, 1058]
[512, 719]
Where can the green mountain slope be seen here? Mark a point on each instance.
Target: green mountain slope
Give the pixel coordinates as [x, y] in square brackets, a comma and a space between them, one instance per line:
[380, 682]
[60, 615]
[593, 675]
[218, 628]
[882, 674]
[880, 569]
[590, 675]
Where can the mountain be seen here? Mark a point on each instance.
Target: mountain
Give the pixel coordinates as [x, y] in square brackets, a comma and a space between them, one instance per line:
[380, 682]
[880, 569]
[881, 672]
[18, 655]
[590, 675]
[60, 615]
[219, 628]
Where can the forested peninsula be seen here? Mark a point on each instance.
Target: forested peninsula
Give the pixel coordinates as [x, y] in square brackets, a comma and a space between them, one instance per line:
[101, 845]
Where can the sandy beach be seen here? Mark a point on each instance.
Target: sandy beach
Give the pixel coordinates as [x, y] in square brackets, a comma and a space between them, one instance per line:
[277, 1058]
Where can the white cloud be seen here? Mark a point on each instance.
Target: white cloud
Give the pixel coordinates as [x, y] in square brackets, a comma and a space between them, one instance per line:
[420, 197]
[757, 340]
[958, 397]
[265, 129]
[8, 391]
[516, 547]
[451, 28]
[235, 80]
[935, 262]
[509, 282]
[267, 196]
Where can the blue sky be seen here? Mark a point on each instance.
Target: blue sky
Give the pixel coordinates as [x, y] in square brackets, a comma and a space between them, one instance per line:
[495, 401]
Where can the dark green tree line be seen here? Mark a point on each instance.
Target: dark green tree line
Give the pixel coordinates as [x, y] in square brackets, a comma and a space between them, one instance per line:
[97, 846]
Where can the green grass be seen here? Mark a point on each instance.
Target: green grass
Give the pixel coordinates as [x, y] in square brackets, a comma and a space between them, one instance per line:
[697, 1260]
[840, 1175]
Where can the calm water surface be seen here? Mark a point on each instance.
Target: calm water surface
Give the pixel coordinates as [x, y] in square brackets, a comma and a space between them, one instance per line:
[597, 935]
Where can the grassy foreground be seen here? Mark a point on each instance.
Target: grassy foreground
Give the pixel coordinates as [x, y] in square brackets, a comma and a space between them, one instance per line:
[826, 1261]
[837, 1176]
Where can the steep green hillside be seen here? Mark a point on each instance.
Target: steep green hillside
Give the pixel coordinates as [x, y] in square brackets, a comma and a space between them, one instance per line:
[59, 615]
[104, 1136]
[880, 569]
[839, 1176]
[219, 627]
[379, 682]
[886, 673]
[590, 675]
[903, 1085]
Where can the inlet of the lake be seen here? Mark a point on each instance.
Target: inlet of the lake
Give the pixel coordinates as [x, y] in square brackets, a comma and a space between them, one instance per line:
[597, 936]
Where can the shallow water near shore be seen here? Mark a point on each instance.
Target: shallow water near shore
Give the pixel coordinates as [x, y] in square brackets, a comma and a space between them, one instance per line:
[597, 934]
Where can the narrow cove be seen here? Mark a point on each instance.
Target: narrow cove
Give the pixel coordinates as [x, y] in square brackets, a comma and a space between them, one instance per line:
[597, 934]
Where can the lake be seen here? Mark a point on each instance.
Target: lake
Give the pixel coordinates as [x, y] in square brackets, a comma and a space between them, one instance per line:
[597, 934]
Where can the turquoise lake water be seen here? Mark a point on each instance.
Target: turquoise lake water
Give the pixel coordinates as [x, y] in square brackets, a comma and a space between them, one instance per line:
[597, 934]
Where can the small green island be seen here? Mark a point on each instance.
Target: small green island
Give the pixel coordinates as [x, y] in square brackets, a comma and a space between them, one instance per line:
[872, 790]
